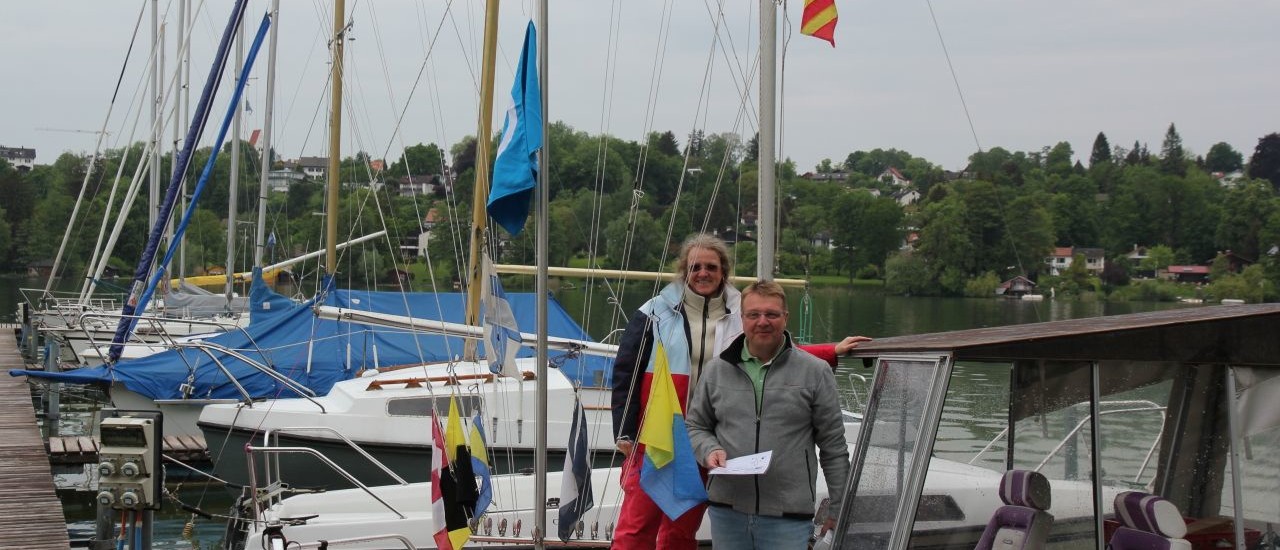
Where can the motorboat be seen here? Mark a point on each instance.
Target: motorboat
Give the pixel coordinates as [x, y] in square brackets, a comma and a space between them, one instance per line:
[1178, 407]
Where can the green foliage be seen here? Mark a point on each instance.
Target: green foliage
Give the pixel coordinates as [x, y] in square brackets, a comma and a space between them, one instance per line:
[634, 243]
[865, 229]
[1151, 290]
[1223, 158]
[1220, 267]
[1265, 161]
[1250, 285]
[418, 160]
[906, 273]
[1173, 160]
[1001, 220]
[983, 286]
[1101, 151]
[744, 258]
[1158, 257]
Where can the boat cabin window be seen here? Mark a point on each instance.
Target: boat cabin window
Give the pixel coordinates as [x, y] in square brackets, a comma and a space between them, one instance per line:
[421, 406]
[938, 437]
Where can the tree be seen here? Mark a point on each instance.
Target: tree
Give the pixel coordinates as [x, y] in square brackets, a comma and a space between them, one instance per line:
[1101, 151]
[1073, 203]
[635, 248]
[419, 160]
[1138, 155]
[1058, 160]
[1028, 233]
[907, 273]
[464, 155]
[752, 151]
[1240, 227]
[1173, 160]
[1223, 158]
[1265, 162]
[666, 143]
[865, 229]
[1158, 257]
[1076, 278]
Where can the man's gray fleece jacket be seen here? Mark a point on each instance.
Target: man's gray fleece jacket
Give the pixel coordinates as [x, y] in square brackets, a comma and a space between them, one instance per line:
[799, 410]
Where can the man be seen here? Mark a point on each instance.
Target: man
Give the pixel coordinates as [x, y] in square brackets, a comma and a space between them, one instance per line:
[762, 394]
[693, 318]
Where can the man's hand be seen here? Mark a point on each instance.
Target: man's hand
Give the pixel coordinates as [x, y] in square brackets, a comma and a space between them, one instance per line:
[625, 446]
[845, 347]
[717, 458]
[827, 525]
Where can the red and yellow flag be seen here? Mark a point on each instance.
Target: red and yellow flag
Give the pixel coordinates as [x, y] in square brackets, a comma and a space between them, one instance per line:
[819, 20]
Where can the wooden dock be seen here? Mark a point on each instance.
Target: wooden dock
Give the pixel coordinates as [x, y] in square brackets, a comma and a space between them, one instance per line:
[84, 450]
[30, 512]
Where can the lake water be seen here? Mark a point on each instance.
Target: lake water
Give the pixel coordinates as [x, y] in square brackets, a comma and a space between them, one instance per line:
[837, 312]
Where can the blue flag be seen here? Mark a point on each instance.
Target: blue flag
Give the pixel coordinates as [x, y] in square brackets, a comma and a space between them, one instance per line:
[677, 486]
[502, 339]
[515, 172]
[575, 487]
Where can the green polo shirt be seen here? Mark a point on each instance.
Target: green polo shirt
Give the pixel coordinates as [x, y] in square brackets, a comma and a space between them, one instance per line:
[756, 370]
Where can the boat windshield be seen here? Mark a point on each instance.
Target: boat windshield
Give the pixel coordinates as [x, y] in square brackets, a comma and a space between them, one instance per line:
[938, 436]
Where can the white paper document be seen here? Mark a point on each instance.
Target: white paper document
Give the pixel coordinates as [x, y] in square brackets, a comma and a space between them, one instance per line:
[745, 465]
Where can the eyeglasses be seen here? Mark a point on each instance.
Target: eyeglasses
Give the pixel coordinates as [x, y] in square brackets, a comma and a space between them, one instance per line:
[709, 268]
[770, 315]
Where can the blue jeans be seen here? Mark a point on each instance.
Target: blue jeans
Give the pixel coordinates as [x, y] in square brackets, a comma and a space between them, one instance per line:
[734, 530]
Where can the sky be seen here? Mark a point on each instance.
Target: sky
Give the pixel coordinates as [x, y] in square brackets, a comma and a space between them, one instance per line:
[1031, 74]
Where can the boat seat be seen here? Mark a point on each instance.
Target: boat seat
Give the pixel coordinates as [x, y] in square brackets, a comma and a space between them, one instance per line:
[1148, 522]
[1023, 522]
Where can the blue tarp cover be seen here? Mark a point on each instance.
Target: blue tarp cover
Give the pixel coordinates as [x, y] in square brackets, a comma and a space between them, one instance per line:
[286, 334]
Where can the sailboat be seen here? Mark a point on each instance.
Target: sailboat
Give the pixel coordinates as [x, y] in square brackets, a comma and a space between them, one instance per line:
[287, 352]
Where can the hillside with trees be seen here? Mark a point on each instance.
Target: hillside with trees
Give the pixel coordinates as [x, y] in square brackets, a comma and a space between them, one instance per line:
[880, 214]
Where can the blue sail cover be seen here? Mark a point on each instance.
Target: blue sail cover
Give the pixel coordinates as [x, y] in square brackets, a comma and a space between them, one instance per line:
[291, 333]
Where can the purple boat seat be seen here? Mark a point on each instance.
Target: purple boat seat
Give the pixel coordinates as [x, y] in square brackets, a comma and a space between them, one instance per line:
[1148, 522]
[1023, 522]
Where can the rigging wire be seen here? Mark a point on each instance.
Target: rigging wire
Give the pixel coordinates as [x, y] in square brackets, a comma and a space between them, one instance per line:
[973, 131]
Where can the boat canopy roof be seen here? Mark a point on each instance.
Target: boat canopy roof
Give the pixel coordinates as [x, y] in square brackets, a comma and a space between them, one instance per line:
[1232, 334]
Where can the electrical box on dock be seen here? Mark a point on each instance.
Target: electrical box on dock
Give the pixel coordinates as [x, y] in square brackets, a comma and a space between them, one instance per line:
[129, 469]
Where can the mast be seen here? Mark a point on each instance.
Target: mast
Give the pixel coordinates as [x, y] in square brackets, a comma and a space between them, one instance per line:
[153, 195]
[180, 104]
[335, 135]
[766, 223]
[260, 239]
[481, 188]
[542, 249]
[235, 176]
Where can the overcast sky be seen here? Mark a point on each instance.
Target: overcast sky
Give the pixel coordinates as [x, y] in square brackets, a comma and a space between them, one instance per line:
[1032, 73]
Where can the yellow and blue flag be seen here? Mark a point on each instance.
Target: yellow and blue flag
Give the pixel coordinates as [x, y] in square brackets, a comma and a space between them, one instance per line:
[480, 464]
[670, 473]
[515, 171]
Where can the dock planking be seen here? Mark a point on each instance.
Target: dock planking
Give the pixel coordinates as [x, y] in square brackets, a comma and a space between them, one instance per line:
[84, 450]
[30, 512]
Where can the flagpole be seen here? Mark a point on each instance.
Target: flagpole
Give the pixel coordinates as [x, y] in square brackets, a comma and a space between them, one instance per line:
[543, 253]
[766, 223]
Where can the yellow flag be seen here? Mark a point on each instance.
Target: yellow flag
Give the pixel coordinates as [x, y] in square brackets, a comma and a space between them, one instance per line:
[660, 411]
[453, 434]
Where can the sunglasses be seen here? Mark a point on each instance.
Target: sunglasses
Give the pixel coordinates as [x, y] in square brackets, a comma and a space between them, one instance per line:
[756, 315]
[709, 268]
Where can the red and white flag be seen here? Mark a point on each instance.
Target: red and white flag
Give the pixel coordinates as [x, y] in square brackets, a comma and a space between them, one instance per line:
[452, 525]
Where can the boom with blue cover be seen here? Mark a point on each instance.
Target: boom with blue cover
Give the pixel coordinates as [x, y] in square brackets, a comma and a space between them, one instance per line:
[291, 333]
